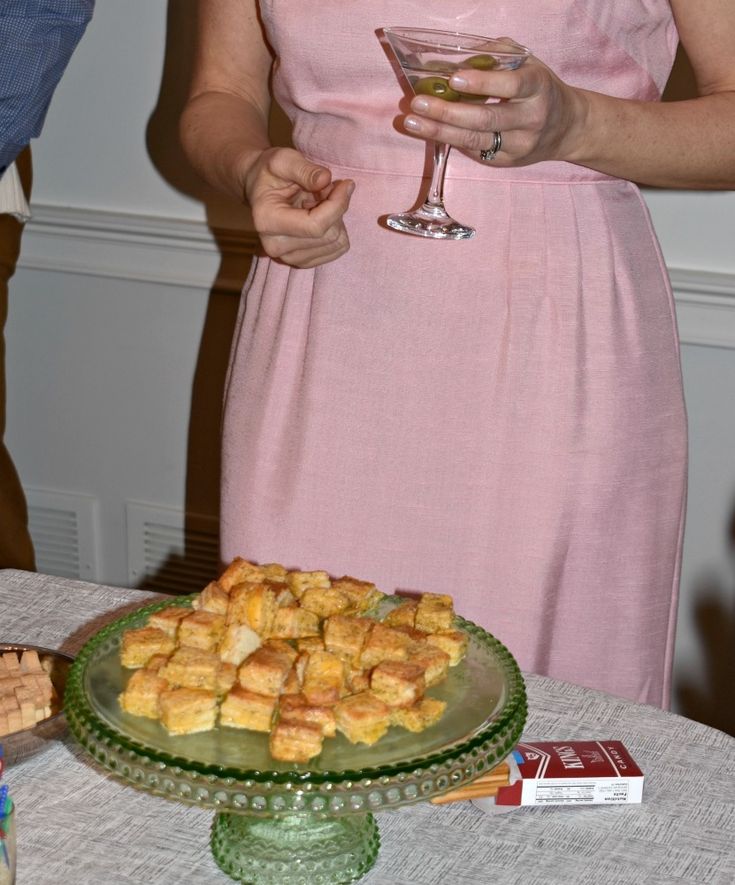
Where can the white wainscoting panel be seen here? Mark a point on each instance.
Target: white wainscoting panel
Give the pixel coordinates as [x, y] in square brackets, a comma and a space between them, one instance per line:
[181, 252]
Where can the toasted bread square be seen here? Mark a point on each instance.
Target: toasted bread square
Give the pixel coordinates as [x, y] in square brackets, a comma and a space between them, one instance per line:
[168, 619]
[384, 644]
[434, 661]
[295, 708]
[254, 605]
[357, 680]
[214, 598]
[240, 570]
[398, 683]
[283, 646]
[403, 615]
[298, 582]
[265, 671]
[453, 642]
[362, 718]
[142, 694]
[190, 667]
[324, 680]
[237, 643]
[294, 622]
[295, 741]
[187, 710]
[201, 629]
[310, 644]
[346, 635]
[292, 685]
[324, 601]
[246, 709]
[412, 633]
[421, 716]
[139, 645]
[156, 662]
[435, 613]
[362, 595]
[274, 571]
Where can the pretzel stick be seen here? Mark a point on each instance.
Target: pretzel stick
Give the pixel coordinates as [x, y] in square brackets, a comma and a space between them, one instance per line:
[485, 785]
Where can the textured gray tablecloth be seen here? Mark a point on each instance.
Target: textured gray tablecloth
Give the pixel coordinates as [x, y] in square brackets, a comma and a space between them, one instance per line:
[77, 824]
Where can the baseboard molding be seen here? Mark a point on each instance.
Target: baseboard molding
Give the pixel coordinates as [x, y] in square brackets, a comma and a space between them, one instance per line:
[182, 252]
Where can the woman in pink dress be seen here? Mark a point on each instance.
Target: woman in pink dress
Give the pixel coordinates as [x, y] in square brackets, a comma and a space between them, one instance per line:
[500, 418]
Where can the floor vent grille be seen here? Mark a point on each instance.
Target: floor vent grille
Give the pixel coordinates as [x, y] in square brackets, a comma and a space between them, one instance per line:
[63, 527]
[169, 551]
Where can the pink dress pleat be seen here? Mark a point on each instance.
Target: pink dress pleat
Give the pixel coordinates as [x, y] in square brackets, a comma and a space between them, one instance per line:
[500, 419]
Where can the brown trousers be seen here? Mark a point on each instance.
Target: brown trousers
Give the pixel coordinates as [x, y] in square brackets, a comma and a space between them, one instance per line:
[16, 549]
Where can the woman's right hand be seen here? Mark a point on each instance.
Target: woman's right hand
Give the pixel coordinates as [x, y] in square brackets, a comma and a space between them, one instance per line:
[298, 210]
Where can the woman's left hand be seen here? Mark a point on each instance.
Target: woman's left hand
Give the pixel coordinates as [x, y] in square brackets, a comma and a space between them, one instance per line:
[539, 116]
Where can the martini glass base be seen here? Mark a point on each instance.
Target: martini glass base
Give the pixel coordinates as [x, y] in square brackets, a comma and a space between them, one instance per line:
[430, 221]
[295, 849]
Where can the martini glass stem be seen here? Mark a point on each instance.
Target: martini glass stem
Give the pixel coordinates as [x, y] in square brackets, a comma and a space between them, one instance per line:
[434, 202]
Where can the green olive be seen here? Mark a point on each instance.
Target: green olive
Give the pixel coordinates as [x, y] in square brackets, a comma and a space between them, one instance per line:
[482, 62]
[437, 86]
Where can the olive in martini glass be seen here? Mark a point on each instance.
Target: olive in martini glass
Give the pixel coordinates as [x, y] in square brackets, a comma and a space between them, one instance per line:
[428, 58]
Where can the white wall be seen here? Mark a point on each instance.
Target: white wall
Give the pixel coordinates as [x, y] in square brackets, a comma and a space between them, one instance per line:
[117, 341]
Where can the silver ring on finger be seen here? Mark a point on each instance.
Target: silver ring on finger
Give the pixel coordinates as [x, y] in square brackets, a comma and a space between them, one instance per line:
[489, 155]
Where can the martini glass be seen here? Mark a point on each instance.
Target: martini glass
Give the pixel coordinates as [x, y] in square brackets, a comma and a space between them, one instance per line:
[428, 58]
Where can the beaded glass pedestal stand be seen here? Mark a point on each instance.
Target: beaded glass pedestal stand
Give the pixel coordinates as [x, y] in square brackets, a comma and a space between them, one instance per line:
[289, 823]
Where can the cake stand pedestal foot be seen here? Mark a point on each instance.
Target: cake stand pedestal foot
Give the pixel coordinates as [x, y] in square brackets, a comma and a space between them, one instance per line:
[295, 849]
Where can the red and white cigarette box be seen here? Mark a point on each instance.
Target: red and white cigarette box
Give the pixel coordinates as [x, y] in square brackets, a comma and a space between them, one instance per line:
[572, 773]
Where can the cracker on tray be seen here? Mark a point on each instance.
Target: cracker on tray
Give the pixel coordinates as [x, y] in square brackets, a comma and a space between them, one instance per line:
[295, 654]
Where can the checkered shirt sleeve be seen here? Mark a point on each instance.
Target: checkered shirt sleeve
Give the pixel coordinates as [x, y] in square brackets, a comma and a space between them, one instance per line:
[37, 39]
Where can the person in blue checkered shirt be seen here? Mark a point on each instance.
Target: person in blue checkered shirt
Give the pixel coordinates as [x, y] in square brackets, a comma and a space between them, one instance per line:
[37, 39]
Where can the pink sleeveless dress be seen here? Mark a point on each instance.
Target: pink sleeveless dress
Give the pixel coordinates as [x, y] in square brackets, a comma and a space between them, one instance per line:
[501, 418]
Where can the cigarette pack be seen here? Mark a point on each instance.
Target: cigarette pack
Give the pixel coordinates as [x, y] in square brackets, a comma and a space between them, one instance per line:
[572, 773]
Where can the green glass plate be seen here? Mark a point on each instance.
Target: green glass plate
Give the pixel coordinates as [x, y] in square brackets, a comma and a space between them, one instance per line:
[231, 770]
[486, 707]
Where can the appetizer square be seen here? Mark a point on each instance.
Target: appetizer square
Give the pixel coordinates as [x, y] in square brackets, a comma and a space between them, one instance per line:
[190, 667]
[295, 708]
[168, 619]
[294, 622]
[435, 612]
[142, 694]
[324, 679]
[254, 605]
[201, 629]
[295, 741]
[345, 635]
[453, 642]
[265, 671]
[362, 718]
[361, 594]
[238, 641]
[324, 601]
[139, 645]
[187, 710]
[298, 582]
[240, 570]
[246, 709]
[384, 644]
[403, 615]
[421, 716]
[214, 598]
[433, 661]
[398, 683]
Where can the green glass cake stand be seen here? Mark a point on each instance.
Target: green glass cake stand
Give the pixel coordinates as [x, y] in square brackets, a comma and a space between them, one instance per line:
[289, 823]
